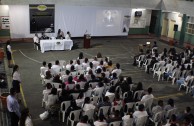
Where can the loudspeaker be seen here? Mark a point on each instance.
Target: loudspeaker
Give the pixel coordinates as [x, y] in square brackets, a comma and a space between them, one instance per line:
[175, 27]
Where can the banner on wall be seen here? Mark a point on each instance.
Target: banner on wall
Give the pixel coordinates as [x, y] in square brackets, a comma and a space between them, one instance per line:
[126, 23]
[42, 18]
[5, 24]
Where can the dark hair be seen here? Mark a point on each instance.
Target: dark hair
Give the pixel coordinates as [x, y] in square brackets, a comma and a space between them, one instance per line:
[99, 55]
[57, 62]
[118, 66]
[24, 115]
[70, 79]
[73, 103]
[104, 69]
[49, 65]
[44, 63]
[78, 62]
[91, 65]
[171, 102]
[71, 61]
[81, 56]
[149, 90]
[72, 68]
[110, 63]
[141, 107]
[98, 71]
[86, 101]
[101, 117]
[67, 72]
[139, 86]
[160, 103]
[48, 86]
[59, 31]
[116, 113]
[188, 109]
[112, 89]
[15, 69]
[173, 118]
[77, 87]
[84, 119]
[129, 80]
[48, 75]
[101, 62]
[54, 91]
[86, 60]
[100, 84]
[81, 95]
[12, 91]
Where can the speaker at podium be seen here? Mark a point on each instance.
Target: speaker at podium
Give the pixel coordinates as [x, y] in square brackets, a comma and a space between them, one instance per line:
[87, 39]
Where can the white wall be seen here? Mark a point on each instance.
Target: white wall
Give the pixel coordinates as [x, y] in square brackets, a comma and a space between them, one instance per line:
[140, 22]
[76, 19]
[177, 17]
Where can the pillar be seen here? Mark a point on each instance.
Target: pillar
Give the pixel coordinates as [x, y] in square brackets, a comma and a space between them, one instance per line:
[183, 29]
[158, 27]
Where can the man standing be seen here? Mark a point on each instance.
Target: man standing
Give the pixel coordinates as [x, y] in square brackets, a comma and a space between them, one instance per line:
[36, 41]
[13, 108]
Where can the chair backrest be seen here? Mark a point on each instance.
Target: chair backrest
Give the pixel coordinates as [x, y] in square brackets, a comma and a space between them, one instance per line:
[141, 121]
[89, 113]
[76, 114]
[111, 98]
[138, 94]
[81, 72]
[116, 123]
[158, 117]
[117, 107]
[94, 100]
[82, 84]
[130, 105]
[70, 86]
[65, 105]
[128, 122]
[148, 104]
[93, 84]
[73, 74]
[47, 81]
[103, 110]
[88, 93]
[170, 112]
[75, 95]
[56, 85]
[125, 95]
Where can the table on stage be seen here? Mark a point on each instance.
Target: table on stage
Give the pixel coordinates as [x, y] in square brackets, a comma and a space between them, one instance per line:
[56, 44]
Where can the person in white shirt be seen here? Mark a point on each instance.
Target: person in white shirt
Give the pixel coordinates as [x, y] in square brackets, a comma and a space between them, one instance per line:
[85, 64]
[43, 68]
[37, 41]
[16, 79]
[57, 68]
[91, 67]
[101, 121]
[140, 112]
[9, 54]
[87, 105]
[148, 96]
[68, 66]
[128, 118]
[46, 92]
[78, 66]
[52, 98]
[117, 70]
[25, 119]
[95, 62]
[68, 35]
[83, 121]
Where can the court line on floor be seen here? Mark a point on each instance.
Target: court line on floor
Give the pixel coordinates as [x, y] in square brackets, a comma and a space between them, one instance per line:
[29, 57]
[168, 96]
[21, 89]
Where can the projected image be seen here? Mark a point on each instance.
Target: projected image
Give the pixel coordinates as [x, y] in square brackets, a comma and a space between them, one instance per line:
[41, 18]
[110, 17]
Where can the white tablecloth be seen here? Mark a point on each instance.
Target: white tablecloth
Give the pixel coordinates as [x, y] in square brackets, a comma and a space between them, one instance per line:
[57, 44]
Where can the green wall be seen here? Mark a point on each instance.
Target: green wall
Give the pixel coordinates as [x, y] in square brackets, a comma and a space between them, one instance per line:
[189, 38]
[177, 35]
[136, 31]
[4, 33]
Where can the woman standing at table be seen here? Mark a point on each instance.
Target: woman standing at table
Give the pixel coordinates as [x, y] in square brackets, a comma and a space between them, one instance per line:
[60, 34]
[68, 35]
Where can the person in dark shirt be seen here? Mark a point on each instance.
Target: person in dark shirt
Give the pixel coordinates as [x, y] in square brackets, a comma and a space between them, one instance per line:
[105, 102]
[153, 61]
[115, 117]
[72, 107]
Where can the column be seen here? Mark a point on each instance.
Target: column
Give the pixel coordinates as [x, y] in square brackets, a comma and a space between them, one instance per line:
[158, 27]
[183, 29]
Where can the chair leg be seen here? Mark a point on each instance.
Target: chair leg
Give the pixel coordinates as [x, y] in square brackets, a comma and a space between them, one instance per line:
[63, 116]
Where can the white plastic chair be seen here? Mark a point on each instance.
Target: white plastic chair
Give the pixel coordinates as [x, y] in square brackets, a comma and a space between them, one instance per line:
[148, 104]
[73, 74]
[129, 105]
[111, 98]
[170, 112]
[138, 94]
[117, 107]
[75, 95]
[64, 106]
[76, 114]
[116, 123]
[70, 86]
[93, 84]
[104, 110]
[88, 93]
[94, 100]
[157, 118]
[56, 85]
[141, 121]
[90, 114]
[82, 84]
[140, 59]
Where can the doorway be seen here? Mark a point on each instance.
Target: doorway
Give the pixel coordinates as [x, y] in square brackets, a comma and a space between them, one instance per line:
[164, 27]
[153, 21]
[171, 28]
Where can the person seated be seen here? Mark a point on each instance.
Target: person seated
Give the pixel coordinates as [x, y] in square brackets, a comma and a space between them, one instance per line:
[117, 100]
[78, 66]
[98, 73]
[158, 108]
[99, 55]
[68, 35]
[140, 112]
[170, 105]
[65, 96]
[57, 68]
[95, 62]
[64, 77]
[128, 118]
[87, 105]
[105, 102]
[135, 57]
[117, 70]
[70, 80]
[83, 121]
[81, 78]
[147, 96]
[100, 65]
[25, 119]
[46, 92]
[80, 99]
[43, 68]
[81, 55]
[37, 41]
[101, 121]
[85, 64]
[56, 79]
[106, 60]
[73, 106]
[153, 61]
[68, 66]
[52, 98]
[72, 69]
[93, 79]
[107, 73]
[60, 34]
[129, 98]
[88, 75]
[48, 75]
[43, 36]
[125, 86]
[98, 91]
[50, 69]
[91, 66]
[155, 46]
[115, 117]
[110, 66]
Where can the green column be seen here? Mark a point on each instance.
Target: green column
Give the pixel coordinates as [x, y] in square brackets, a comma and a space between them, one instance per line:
[158, 27]
[183, 29]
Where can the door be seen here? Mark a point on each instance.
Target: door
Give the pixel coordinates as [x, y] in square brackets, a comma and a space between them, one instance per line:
[164, 27]
[171, 29]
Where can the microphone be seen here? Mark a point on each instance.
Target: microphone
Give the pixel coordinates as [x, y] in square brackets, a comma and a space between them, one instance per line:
[86, 31]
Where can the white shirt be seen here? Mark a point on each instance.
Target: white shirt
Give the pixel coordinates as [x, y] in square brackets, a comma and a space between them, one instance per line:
[67, 36]
[82, 124]
[42, 70]
[16, 76]
[52, 99]
[28, 121]
[127, 120]
[36, 39]
[78, 67]
[56, 68]
[139, 114]
[45, 93]
[108, 93]
[98, 123]
[146, 97]
[9, 48]
[117, 71]
[88, 107]
[85, 65]
[13, 105]
[95, 63]
[68, 66]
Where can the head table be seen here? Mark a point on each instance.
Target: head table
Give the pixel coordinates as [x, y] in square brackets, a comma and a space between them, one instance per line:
[56, 44]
